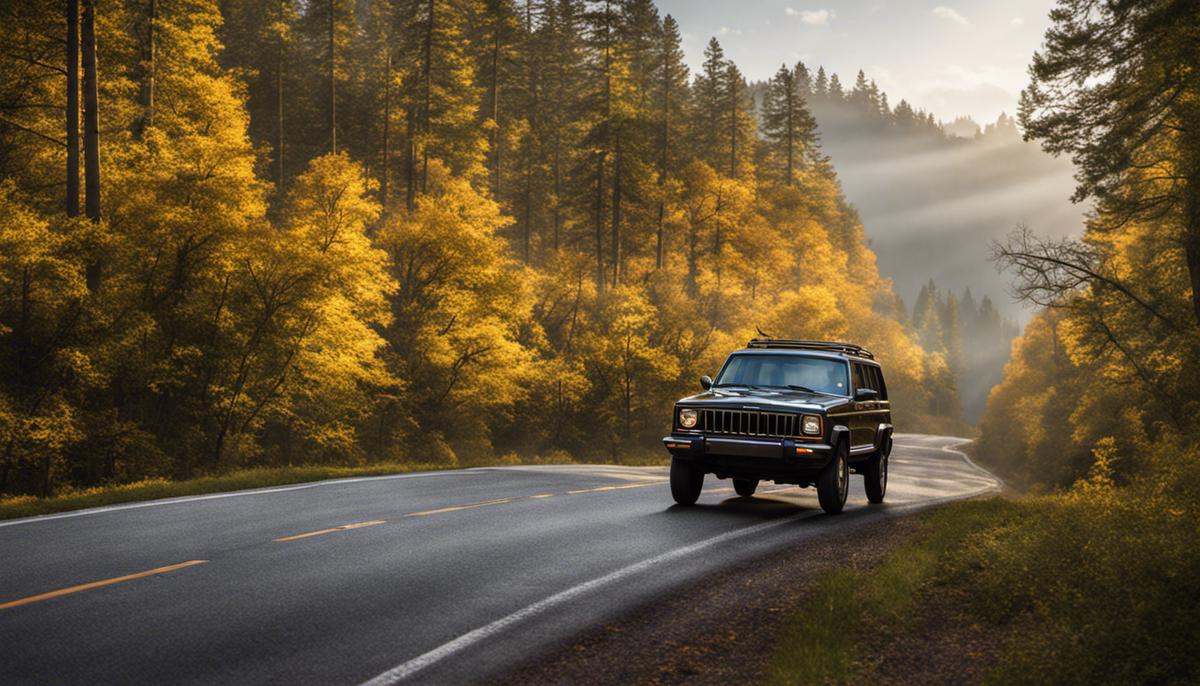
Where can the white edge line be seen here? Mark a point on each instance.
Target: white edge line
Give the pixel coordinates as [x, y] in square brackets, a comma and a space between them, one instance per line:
[411, 667]
[232, 494]
[445, 650]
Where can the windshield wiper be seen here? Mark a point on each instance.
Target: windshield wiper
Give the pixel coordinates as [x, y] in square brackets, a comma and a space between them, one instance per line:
[736, 385]
[806, 389]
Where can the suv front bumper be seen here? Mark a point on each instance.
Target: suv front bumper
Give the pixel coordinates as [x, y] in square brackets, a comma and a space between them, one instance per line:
[786, 449]
[768, 459]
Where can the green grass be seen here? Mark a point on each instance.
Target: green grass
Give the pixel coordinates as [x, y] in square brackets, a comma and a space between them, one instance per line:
[1095, 586]
[823, 641]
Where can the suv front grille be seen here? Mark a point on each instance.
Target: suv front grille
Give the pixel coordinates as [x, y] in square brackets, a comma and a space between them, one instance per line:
[749, 423]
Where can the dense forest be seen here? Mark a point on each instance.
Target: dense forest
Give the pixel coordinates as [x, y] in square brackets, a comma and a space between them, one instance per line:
[241, 233]
[1104, 385]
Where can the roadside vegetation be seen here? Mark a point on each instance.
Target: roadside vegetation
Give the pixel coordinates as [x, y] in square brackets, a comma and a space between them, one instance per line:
[1095, 577]
[1097, 585]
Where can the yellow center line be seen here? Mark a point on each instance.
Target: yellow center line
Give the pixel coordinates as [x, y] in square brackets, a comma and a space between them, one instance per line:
[614, 488]
[98, 584]
[456, 508]
[344, 527]
[539, 496]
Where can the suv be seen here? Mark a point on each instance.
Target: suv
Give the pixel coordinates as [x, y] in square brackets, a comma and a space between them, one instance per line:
[793, 412]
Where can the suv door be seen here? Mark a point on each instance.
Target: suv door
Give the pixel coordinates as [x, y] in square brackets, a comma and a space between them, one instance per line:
[862, 421]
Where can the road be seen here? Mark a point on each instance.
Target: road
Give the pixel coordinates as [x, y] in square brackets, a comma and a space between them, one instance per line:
[439, 577]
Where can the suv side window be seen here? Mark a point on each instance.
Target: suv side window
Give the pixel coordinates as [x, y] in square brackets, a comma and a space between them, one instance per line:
[862, 377]
[879, 384]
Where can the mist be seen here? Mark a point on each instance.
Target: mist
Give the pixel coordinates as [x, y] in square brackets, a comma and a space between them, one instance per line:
[931, 205]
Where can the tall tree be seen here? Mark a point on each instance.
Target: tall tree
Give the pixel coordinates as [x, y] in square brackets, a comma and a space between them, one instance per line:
[710, 102]
[1115, 86]
[91, 122]
[72, 72]
[788, 126]
[672, 79]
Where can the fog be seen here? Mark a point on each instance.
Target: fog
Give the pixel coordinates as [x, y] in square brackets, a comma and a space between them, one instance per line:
[932, 206]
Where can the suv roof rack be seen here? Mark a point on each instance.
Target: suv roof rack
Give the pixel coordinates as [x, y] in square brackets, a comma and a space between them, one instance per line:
[831, 346]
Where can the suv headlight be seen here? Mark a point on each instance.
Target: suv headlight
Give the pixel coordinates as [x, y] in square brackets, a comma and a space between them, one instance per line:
[687, 418]
[810, 424]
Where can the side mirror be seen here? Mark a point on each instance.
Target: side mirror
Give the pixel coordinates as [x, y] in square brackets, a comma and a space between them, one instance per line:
[706, 382]
[866, 394]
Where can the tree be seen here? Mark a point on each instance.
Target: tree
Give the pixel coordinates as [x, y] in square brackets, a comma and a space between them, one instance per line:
[710, 102]
[787, 124]
[672, 97]
[72, 71]
[1114, 88]
[835, 89]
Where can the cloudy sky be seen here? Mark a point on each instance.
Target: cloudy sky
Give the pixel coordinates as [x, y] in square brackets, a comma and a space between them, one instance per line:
[952, 58]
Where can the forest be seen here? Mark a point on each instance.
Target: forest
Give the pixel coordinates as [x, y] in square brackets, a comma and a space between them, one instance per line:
[1104, 383]
[242, 234]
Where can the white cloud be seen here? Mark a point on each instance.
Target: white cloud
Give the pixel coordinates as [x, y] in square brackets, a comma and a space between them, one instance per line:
[949, 14]
[812, 17]
[1017, 21]
[726, 31]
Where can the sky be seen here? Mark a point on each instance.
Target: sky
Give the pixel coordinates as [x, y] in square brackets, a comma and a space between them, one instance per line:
[950, 58]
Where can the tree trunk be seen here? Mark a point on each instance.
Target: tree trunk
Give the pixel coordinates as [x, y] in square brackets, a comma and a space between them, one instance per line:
[615, 254]
[332, 78]
[495, 132]
[427, 95]
[557, 162]
[279, 105]
[91, 119]
[72, 108]
[601, 277]
[664, 146]
[151, 66]
[410, 160]
[386, 172]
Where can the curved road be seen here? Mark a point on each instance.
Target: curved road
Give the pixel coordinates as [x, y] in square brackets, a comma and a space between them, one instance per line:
[439, 577]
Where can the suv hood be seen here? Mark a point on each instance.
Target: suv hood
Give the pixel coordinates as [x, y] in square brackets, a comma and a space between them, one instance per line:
[770, 399]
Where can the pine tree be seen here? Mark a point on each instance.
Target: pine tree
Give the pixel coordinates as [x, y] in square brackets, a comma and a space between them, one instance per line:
[835, 89]
[671, 97]
[788, 126]
[821, 85]
[1108, 89]
[708, 101]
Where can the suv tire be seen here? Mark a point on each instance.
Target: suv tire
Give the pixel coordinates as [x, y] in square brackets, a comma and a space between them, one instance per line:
[833, 485]
[686, 482]
[745, 487]
[876, 474]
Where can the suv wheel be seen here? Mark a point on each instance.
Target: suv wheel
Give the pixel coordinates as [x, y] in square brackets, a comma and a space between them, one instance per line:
[745, 487]
[834, 483]
[876, 474]
[686, 482]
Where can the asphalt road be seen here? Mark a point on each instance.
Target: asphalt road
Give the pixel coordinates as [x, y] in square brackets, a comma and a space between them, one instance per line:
[441, 577]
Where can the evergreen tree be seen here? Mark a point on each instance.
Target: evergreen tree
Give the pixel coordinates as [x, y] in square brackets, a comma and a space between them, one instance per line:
[788, 126]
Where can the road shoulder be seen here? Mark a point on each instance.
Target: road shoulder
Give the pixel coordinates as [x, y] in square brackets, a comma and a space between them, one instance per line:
[723, 630]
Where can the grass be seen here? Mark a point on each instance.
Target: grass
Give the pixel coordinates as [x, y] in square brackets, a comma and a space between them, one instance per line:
[1099, 586]
[823, 642]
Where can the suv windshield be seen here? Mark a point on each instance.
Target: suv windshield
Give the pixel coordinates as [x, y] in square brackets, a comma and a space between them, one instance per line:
[786, 371]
